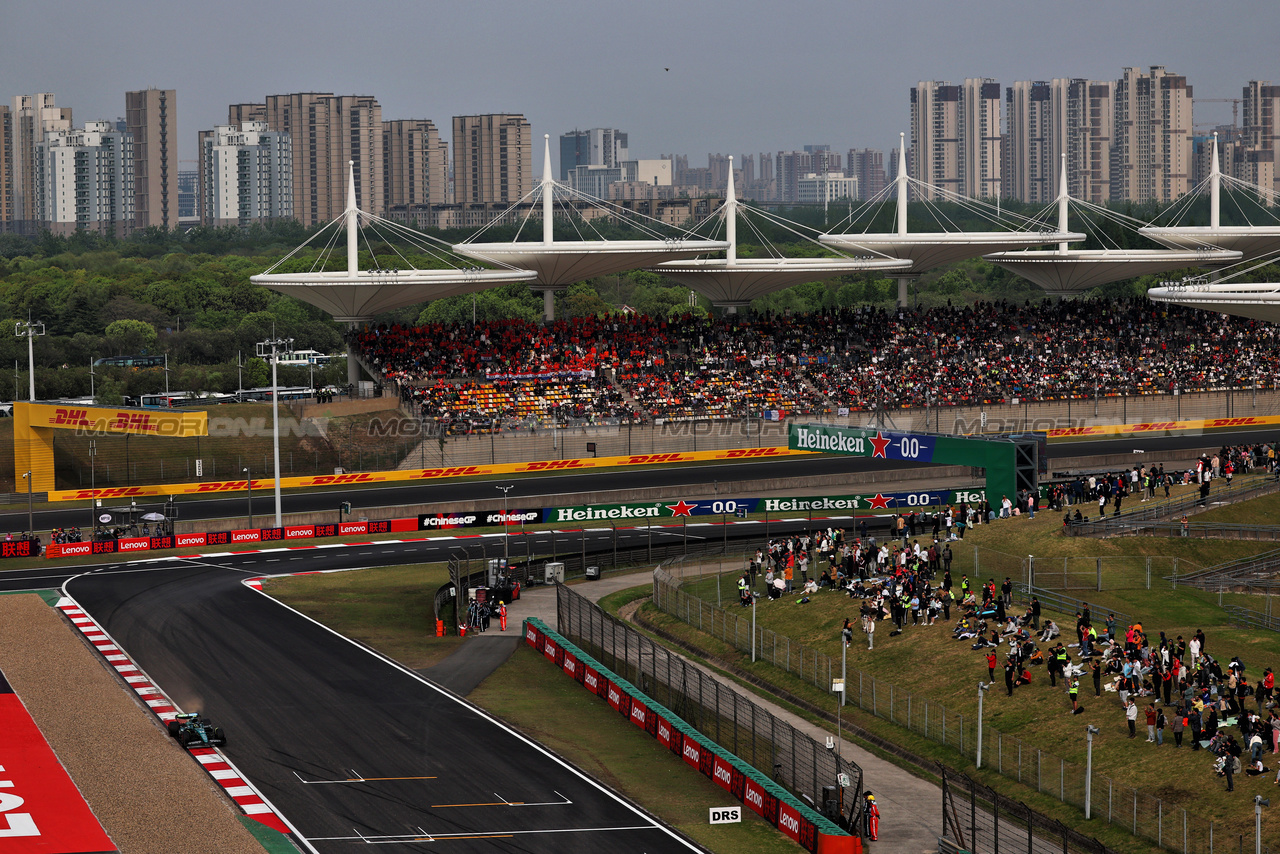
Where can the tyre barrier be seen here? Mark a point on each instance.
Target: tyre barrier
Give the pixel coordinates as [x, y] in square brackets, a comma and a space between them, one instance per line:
[772, 802]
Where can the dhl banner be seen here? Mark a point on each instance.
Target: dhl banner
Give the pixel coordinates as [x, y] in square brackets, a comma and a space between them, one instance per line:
[421, 474]
[33, 424]
[1162, 428]
[176, 423]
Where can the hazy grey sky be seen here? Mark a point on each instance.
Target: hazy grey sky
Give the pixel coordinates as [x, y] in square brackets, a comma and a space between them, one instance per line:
[744, 77]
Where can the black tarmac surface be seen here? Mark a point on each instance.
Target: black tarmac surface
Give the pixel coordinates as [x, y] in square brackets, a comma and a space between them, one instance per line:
[352, 748]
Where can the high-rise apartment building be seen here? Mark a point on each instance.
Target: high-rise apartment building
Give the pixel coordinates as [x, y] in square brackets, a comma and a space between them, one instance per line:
[151, 116]
[245, 174]
[1036, 117]
[936, 128]
[791, 167]
[415, 163]
[1089, 131]
[492, 158]
[956, 136]
[1261, 115]
[83, 180]
[594, 147]
[238, 114]
[1261, 131]
[189, 193]
[6, 168]
[327, 131]
[981, 140]
[32, 119]
[867, 165]
[1151, 155]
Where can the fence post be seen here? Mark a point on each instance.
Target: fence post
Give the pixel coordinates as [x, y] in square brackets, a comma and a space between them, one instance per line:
[1099, 575]
[1148, 573]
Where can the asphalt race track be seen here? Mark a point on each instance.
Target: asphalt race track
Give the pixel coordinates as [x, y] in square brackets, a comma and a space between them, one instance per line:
[351, 748]
[321, 500]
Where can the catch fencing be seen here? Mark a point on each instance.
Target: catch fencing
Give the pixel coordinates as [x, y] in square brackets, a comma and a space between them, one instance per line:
[978, 818]
[1141, 520]
[732, 720]
[1142, 814]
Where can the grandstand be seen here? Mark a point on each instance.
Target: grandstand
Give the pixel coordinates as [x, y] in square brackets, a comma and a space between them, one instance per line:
[638, 369]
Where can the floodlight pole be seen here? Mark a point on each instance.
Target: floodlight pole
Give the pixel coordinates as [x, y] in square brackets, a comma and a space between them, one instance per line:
[271, 347]
[982, 689]
[31, 528]
[1089, 731]
[1258, 803]
[93, 484]
[29, 329]
[248, 482]
[506, 553]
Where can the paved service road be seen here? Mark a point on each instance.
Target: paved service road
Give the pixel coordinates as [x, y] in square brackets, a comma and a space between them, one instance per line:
[350, 747]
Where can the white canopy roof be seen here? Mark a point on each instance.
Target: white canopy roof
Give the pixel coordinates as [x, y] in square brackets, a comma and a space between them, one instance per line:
[564, 262]
[1079, 270]
[1258, 300]
[739, 282]
[927, 250]
[1252, 241]
[370, 292]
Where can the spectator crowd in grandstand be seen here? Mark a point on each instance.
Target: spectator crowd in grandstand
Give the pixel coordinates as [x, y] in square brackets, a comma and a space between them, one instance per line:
[637, 367]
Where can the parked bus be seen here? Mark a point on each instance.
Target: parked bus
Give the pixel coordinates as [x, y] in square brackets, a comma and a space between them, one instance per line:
[139, 361]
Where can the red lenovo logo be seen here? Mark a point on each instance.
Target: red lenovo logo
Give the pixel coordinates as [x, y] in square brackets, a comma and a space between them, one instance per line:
[71, 417]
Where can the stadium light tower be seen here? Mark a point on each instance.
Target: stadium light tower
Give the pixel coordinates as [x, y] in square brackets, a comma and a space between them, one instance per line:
[29, 329]
[271, 348]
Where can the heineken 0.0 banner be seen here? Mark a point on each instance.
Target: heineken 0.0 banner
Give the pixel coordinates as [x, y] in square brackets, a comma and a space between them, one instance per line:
[831, 504]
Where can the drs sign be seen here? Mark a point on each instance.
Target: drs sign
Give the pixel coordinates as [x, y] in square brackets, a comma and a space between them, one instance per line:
[726, 815]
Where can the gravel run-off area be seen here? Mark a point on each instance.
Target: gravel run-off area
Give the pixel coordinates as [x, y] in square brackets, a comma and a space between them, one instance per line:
[149, 795]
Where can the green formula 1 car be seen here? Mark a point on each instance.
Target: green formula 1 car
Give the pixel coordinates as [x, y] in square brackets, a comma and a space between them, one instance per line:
[191, 730]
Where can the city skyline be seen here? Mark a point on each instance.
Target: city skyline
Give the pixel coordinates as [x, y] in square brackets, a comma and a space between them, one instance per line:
[696, 78]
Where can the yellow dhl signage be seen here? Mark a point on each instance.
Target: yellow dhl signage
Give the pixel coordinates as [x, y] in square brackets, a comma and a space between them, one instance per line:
[99, 419]
[423, 474]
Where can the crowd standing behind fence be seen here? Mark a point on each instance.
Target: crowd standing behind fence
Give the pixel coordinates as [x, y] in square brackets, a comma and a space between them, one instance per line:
[1142, 814]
